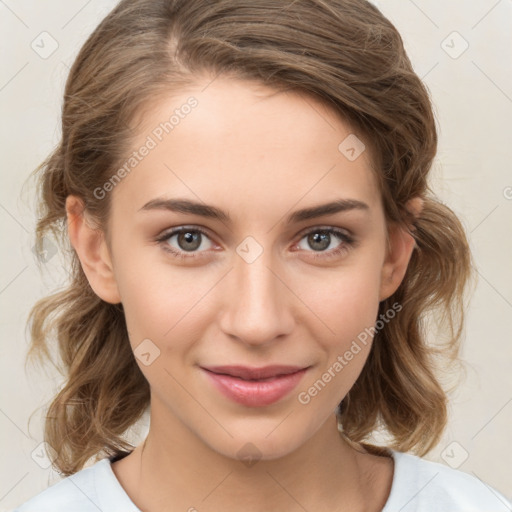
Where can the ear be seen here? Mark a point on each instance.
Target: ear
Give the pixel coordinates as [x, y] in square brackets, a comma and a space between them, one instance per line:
[399, 251]
[92, 250]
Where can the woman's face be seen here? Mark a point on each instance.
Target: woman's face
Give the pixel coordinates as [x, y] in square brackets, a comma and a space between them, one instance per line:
[260, 279]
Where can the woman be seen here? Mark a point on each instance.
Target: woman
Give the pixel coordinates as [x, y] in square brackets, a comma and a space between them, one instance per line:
[255, 248]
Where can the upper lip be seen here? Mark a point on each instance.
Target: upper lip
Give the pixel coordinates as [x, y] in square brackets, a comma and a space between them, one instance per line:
[247, 373]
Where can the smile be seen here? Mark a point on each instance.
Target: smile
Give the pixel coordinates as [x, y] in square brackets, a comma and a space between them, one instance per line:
[254, 387]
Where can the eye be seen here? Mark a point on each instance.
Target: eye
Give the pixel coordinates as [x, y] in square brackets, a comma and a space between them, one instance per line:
[188, 240]
[320, 239]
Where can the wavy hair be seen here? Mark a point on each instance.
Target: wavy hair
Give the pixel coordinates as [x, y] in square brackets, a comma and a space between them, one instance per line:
[344, 53]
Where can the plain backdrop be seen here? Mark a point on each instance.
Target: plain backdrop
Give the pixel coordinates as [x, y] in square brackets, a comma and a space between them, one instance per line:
[462, 50]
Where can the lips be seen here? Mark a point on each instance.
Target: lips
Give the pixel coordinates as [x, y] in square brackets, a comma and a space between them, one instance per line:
[254, 387]
[247, 373]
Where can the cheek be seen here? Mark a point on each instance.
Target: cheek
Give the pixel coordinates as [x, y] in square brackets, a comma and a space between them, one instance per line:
[163, 303]
[347, 304]
[351, 318]
[355, 306]
[344, 349]
[346, 299]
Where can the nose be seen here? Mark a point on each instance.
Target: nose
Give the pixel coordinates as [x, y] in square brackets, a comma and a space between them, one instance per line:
[257, 307]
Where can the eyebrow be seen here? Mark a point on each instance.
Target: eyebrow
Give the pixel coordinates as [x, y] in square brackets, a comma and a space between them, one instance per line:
[212, 212]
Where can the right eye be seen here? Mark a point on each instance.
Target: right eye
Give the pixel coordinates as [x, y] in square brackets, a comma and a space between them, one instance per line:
[188, 241]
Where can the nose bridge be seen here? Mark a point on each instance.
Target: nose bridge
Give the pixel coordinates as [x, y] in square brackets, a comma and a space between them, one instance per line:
[256, 309]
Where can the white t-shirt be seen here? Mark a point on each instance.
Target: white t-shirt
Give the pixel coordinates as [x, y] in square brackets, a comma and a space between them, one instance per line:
[418, 486]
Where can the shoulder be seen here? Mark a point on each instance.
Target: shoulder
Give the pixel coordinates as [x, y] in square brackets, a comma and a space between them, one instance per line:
[420, 485]
[89, 490]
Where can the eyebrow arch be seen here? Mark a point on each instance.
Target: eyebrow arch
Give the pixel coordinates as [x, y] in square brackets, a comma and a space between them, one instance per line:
[204, 210]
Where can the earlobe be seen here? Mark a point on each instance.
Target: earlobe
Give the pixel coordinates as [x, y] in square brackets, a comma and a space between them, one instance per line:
[92, 250]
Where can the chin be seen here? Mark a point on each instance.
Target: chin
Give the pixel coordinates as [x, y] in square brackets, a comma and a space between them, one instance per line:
[249, 447]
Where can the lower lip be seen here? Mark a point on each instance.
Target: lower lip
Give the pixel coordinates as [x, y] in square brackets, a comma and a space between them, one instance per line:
[255, 393]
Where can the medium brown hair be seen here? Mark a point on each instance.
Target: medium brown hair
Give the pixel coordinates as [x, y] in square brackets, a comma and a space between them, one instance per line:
[346, 54]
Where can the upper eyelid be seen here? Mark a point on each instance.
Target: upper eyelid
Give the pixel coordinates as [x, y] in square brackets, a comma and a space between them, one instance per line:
[167, 233]
[206, 231]
[326, 228]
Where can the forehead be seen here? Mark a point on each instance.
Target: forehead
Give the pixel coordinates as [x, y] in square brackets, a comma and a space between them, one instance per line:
[237, 143]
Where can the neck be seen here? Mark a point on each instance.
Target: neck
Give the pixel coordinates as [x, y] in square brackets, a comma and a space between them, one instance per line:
[175, 470]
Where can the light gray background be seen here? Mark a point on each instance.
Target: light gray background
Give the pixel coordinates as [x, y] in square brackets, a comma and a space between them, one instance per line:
[472, 92]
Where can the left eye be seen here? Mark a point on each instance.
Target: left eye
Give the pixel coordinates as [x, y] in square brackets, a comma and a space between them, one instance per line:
[320, 239]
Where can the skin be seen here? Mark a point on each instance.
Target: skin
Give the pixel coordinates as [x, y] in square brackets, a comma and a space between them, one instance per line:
[258, 155]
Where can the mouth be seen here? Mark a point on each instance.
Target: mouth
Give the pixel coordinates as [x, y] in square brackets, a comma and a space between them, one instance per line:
[248, 373]
[255, 387]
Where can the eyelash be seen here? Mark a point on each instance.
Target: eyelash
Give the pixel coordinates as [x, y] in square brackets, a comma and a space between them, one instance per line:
[347, 241]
